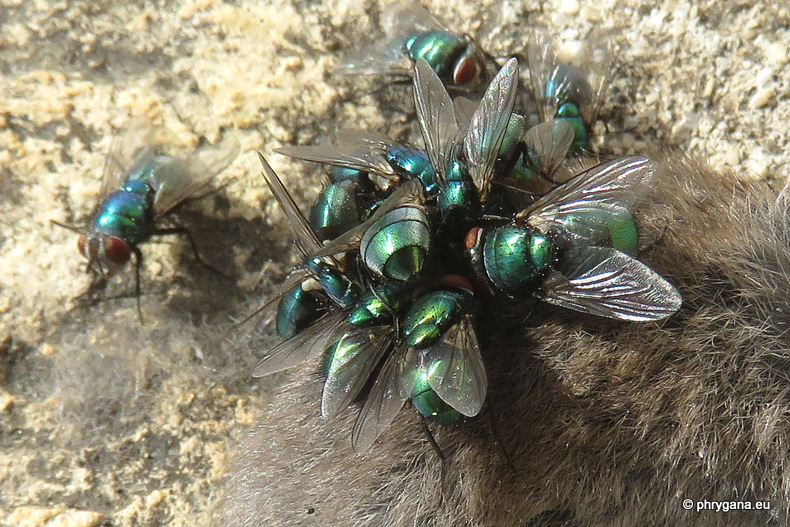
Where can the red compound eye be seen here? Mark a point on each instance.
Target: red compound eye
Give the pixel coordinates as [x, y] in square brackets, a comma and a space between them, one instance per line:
[117, 251]
[465, 72]
[82, 245]
[470, 240]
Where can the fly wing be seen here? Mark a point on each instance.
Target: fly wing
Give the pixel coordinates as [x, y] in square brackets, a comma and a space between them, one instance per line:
[464, 110]
[489, 123]
[386, 55]
[405, 17]
[297, 276]
[605, 282]
[129, 149]
[581, 206]
[459, 375]
[177, 179]
[548, 143]
[595, 60]
[349, 372]
[542, 61]
[409, 193]
[386, 398]
[305, 345]
[436, 114]
[305, 237]
[358, 150]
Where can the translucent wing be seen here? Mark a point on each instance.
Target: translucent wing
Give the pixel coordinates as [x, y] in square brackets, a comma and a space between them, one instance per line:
[386, 398]
[405, 17]
[464, 110]
[595, 61]
[605, 282]
[458, 374]
[128, 150]
[592, 65]
[581, 206]
[487, 130]
[350, 371]
[297, 276]
[305, 237]
[436, 114]
[177, 179]
[386, 55]
[359, 150]
[547, 144]
[542, 62]
[305, 345]
[409, 193]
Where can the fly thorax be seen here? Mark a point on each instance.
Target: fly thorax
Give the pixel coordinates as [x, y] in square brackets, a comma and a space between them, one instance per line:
[514, 257]
[342, 290]
[126, 215]
[568, 84]
[413, 163]
[139, 187]
[396, 245]
[441, 49]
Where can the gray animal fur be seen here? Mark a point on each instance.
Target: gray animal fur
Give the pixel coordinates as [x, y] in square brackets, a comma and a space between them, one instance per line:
[593, 422]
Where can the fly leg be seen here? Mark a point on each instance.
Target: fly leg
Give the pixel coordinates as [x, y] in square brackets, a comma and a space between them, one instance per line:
[138, 262]
[184, 232]
[440, 454]
[498, 439]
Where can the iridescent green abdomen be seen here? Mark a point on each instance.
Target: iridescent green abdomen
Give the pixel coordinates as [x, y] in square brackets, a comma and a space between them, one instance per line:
[297, 310]
[570, 112]
[515, 257]
[429, 404]
[335, 210]
[440, 49]
[623, 233]
[617, 230]
[432, 315]
[336, 352]
[457, 191]
[380, 305]
[396, 245]
[569, 88]
[516, 126]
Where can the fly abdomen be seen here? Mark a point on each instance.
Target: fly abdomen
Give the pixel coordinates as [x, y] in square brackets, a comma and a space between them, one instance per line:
[396, 245]
[335, 210]
[297, 310]
[429, 404]
[432, 315]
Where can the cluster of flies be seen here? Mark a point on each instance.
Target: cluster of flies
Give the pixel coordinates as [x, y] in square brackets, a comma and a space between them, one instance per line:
[405, 247]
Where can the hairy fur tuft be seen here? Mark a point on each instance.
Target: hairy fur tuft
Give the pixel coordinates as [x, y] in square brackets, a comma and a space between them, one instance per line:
[588, 421]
